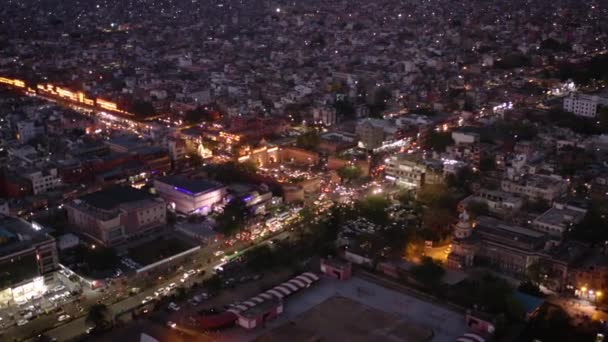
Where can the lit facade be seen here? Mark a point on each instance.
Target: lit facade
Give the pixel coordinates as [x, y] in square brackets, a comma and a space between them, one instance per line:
[114, 215]
[190, 196]
[28, 260]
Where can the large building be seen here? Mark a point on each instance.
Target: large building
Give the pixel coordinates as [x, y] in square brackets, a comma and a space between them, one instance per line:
[584, 105]
[559, 218]
[496, 243]
[374, 132]
[116, 214]
[190, 196]
[533, 186]
[43, 181]
[410, 172]
[28, 261]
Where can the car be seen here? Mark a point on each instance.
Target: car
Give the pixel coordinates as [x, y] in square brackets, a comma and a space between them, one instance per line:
[148, 299]
[58, 288]
[28, 315]
[172, 286]
[22, 322]
[171, 324]
[174, 306]
[63, 318]
[89, 330]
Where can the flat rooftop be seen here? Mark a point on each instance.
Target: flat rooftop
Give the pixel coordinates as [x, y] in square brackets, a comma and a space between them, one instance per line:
[561, 216]
[342, 319]
[193, 186]
[111, 198]
[364, 305]
[16, 235]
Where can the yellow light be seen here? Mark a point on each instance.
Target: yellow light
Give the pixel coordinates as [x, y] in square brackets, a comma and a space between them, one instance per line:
[583, 289]
[598, 293]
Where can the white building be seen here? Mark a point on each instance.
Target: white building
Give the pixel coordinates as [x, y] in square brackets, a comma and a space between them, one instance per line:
[559, 218]
[190, 196]
[44, 181]
[324, 115]
[584, 105]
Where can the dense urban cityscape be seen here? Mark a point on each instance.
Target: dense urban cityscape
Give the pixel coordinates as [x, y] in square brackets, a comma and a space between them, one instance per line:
[319, 170]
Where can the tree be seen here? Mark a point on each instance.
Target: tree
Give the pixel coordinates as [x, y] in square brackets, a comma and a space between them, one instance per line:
[98, 315]
[438, 141]
[142, 109]
[309, 140]
[349, 172]
[477, 208]
[232, 219]
[592, 228]
[530, 288]
[344, 108]
[487, 164]
[428, 272]
[436, 196]
[373, 208]
[195, 160]
[201, 114]
[260, 258]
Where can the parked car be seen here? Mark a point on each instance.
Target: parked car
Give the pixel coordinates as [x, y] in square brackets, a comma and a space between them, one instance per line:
[22, 322]
[148, 299]
[171, 324]
[174, 306]
[63, 318]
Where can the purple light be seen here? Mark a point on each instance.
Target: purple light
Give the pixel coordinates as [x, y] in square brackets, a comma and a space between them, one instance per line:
[183, 190]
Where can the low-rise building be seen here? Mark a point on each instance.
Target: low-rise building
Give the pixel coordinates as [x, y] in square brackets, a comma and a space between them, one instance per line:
[28, 260]
[533, 186]
[559, 218]
[190, 196]
[43, 180]
[490, 241]
[584, 105]
[117, 214]
[410, 172]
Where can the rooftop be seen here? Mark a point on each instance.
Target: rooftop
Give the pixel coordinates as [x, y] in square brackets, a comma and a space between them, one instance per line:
[561, 216]
[17, 234]
[113, 197]
[342, 319]
[189, 185]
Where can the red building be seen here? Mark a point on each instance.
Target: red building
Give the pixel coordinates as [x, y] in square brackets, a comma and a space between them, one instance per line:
[258, 315]
[336, 268]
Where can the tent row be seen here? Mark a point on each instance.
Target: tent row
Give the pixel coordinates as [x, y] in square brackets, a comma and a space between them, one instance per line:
[288, 288]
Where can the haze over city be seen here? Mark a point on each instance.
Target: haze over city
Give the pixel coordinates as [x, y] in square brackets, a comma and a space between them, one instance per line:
[252, 170]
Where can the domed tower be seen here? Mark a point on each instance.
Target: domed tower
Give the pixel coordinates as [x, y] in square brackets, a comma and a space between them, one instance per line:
[463, 229]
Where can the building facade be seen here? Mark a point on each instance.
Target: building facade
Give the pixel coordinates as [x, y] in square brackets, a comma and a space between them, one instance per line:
[28, 260]
[44, 180]
[584, 105]
[190, 196]
[117, 214]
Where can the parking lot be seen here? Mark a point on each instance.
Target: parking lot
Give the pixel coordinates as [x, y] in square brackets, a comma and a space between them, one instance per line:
[59, 303]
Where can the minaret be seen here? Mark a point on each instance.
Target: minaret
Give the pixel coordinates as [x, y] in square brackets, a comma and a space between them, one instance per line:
[463, 228]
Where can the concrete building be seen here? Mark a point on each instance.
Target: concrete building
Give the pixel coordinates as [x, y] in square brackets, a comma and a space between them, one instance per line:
[493, 242]
[28, 130]
[584, 105]
[190, 196]
[559, 218]
[117, 214]
[44, 180]
[324, 115]
[533, 186]
[372, 133]
[410, 172]
[28, 260]
[499, 202]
